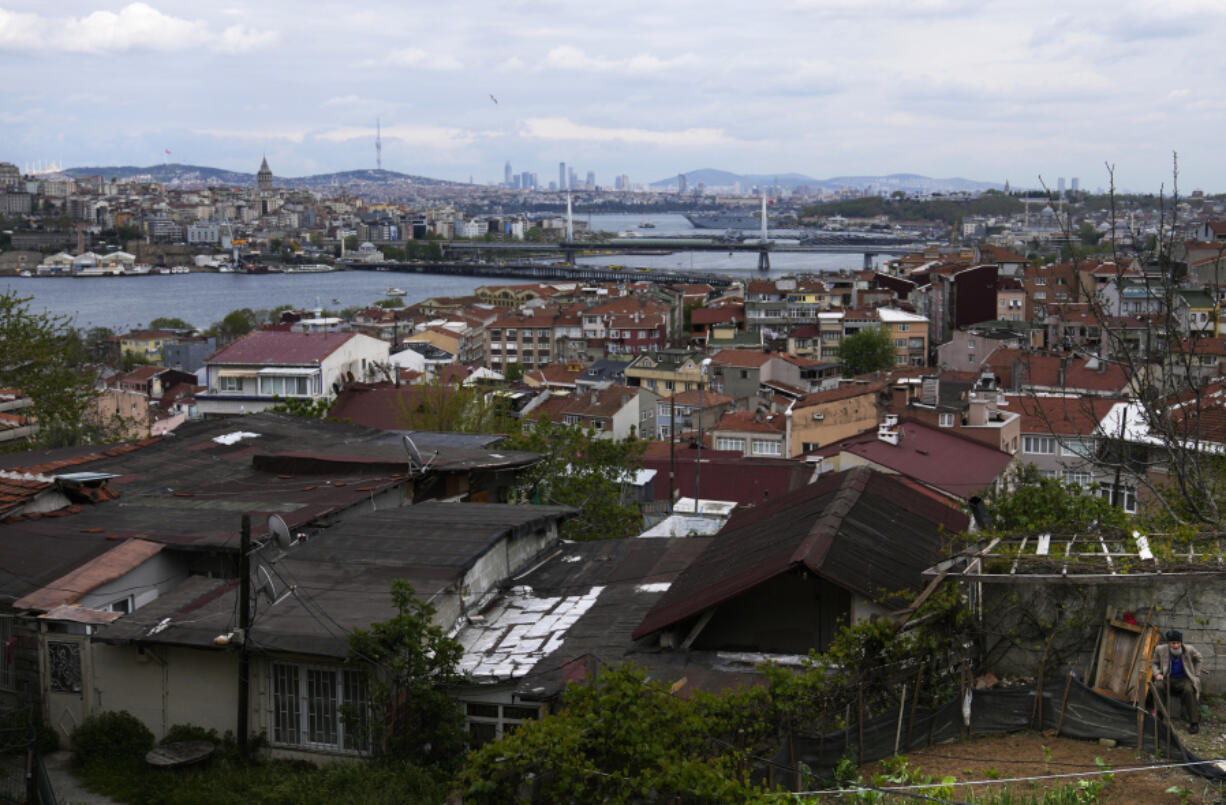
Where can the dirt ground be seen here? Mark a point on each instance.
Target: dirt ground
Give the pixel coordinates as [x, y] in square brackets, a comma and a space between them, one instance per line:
[1024, 755]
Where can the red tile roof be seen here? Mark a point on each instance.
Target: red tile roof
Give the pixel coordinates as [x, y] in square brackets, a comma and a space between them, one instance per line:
[1059, 416]
[745, 358]
[955, 465]
[746, 422]
[277, 348]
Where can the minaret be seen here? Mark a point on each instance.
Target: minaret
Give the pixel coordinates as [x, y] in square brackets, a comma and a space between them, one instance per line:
[263, 179]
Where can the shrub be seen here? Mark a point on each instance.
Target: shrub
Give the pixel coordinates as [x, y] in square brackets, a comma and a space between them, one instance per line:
[111, 735]
[191, 732]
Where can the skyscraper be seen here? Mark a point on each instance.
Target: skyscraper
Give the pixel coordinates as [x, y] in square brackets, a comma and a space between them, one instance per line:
[561, 175]
[590, 184]
[1060, 186]
[506, 174]
[571, 184]
[681, 183]
[1075, 184]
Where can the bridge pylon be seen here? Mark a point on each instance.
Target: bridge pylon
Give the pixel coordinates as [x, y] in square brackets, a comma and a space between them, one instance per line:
[764, 260]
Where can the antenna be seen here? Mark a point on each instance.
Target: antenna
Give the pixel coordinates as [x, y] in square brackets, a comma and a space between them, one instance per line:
[378, 144]
[415, 460]
[280, 531]
[267, 588]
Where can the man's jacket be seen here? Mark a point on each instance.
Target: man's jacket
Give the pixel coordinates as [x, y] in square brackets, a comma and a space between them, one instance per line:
[1161, 663]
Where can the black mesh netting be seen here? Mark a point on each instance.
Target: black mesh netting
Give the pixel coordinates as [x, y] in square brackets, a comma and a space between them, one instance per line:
[1087, 715]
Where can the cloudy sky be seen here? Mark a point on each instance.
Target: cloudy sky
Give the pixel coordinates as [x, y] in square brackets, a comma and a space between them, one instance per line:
[972, 88]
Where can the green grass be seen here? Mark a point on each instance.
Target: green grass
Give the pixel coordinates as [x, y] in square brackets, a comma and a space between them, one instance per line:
[226, 781]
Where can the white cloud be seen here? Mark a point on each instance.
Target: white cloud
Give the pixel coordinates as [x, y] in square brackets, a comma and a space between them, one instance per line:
[424, 136]
[293, 135]
[568, 57]
[240, 39]
[136, 26]
[559, 128]
[416, 57]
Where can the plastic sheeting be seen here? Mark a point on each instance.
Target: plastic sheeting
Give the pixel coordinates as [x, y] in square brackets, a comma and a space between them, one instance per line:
[1087, 715]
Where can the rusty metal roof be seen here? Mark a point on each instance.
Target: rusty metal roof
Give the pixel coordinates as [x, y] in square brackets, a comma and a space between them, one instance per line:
[859, 529]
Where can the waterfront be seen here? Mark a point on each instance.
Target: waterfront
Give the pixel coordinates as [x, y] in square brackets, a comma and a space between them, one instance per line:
[201, 299]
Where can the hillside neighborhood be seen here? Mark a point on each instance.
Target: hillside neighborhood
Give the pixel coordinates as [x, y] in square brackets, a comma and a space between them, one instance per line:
[801, 454]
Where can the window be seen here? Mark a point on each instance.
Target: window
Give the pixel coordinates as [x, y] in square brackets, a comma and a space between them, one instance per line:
[902, 328]
[570, 419]
[8, 655]
[726, 443]
[230, 384]
[284, 386]
[1040, 294]
[310, 704]
[1040, 280]
[1124, 497]
[1078, 478]
[1082, 448]
[970, 344]
[946, 420]
[1039, 445]
[488, 722]
[767, 447]
[900, 343]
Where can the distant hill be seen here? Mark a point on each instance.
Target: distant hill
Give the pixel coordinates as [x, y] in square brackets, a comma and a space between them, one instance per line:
[907, 182]
[176, 175]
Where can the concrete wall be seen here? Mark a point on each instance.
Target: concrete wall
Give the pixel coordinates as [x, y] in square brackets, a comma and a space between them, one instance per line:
[1194, 606]
[153, 577]
[165, 686]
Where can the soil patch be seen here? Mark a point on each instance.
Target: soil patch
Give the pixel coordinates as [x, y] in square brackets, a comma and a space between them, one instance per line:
[1031, 755]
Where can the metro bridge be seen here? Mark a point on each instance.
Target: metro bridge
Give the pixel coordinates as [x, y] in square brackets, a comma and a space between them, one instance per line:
[828, 244]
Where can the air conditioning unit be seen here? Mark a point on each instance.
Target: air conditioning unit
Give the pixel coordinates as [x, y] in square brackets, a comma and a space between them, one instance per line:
[818, 417]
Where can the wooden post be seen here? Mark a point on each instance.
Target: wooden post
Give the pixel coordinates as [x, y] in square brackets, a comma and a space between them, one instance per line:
[919, 679]
[860, 720]
[1132, 661]
[1068, 683]
[902, 709]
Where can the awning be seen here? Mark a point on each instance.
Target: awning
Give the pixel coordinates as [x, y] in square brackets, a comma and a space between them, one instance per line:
[236, 373]
[283, 371]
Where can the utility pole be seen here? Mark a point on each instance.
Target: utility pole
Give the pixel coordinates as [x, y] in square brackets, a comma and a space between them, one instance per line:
[244, 625]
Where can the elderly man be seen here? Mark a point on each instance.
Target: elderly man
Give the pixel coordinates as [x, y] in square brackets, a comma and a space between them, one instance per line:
[1176, 670]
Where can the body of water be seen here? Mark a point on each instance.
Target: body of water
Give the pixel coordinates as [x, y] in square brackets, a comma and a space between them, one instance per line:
[123, 303]
[201, 299]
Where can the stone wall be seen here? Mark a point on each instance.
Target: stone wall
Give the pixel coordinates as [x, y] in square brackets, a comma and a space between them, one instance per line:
[1018, 619]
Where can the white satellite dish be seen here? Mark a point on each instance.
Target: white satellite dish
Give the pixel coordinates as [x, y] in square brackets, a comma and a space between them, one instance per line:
[415, 459]
[280, 531]
[266, 585]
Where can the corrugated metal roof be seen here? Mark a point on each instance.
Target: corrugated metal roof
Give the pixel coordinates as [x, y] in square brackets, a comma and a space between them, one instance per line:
[860, 529]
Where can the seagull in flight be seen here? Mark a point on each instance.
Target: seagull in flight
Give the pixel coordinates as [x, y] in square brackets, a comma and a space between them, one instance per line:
[492, 98]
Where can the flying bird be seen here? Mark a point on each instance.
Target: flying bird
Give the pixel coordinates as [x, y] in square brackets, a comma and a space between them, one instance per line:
[492, 98]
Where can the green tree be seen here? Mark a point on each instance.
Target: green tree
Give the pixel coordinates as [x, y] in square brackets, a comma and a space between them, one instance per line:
[582, 470]
[235, 324]
[1037, 503]
[617, 738]
[513, 372]
[43, 356]
[411, 661]
[869, 350]
[169, 323]
[99, 344]
[434, 250]
[351, 243]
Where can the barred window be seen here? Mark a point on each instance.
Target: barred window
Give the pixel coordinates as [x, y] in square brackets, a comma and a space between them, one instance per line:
[320, 707]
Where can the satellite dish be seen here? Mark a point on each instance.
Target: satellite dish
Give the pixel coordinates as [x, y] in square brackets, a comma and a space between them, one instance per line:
[280, 531]
[415, 459]
[411, 449]
[266, 585]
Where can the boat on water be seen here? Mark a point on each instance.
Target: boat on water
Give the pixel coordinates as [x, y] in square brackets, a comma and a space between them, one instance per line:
[724, 220]
[180, 270]
[225, 269]
[647, 225]
[394, 291]
[307, 268]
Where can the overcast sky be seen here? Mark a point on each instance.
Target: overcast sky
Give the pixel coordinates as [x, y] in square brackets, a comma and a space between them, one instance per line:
[982, 90]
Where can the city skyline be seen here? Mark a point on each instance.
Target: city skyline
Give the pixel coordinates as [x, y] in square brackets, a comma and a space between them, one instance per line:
[941, 88]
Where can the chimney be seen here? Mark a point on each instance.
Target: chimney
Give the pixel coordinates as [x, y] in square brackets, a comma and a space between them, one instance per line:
[901, 396]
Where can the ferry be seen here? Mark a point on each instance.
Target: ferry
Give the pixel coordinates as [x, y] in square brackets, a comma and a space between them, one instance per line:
[308, 268]
[393, 291]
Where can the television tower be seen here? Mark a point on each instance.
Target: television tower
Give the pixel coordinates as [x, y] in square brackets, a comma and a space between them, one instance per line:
[378, 144]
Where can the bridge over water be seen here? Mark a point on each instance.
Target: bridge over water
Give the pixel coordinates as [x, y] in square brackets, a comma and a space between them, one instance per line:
[544, 272]
[834, 243]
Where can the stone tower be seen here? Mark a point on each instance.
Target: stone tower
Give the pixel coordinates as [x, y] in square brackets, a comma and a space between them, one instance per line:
[263, 179]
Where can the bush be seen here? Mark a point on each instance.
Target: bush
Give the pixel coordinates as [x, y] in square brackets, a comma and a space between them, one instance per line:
[191, 732]
[111, 735]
